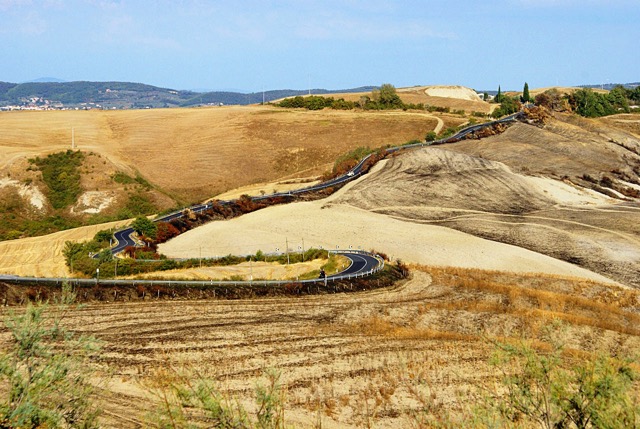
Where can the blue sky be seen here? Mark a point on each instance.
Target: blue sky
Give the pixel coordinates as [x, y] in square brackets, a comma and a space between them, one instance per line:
[254, 45]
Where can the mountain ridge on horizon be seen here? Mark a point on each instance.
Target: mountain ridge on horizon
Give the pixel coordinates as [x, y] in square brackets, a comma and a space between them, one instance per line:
[127, 95]
[52, 91]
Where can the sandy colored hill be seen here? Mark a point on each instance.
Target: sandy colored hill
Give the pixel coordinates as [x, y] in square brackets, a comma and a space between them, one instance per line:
[452, 96]
[332, 224]
[452, 91]
[207, 150]
[526, 187]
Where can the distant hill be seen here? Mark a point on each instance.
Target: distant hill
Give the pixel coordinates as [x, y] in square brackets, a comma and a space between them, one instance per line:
[610, 86]
[127, 95]
[45, 79]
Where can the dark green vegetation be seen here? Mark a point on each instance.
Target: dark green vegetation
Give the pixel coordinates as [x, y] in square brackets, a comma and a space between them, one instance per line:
[126, 95]
[16, 221]
[508, 105]
[44, 371]
[586, 102]
[382, 98]
[589, 103]
[526, 97]
[60, 172]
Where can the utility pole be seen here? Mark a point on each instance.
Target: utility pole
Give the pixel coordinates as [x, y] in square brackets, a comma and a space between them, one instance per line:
[302, 249]
[287, 249]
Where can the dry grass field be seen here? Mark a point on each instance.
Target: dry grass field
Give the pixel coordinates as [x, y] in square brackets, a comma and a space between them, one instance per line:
[208, 150]
[42, 256]
[187, 155]
[369, 359]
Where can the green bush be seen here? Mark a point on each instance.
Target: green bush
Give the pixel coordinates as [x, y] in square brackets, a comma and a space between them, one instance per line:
[180, 399]
[45, 371]
[508, 105]
[350, 159]
[60, 172]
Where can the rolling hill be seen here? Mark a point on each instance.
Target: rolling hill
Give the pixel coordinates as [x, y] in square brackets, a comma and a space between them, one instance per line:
[145, 161]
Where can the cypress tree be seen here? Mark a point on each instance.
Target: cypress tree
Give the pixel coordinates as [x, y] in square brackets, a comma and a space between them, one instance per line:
[498, 95]
[525, 93]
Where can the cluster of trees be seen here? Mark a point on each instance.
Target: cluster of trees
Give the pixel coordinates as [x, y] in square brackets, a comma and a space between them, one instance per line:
[510, 105]
[382, 98]
[316, 102]
[586, 102]
[591, 104]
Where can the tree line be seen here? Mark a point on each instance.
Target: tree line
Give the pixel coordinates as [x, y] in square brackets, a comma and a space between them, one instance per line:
[382, 98]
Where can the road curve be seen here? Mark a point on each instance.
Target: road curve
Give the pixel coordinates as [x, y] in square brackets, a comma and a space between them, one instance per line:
[362, 264]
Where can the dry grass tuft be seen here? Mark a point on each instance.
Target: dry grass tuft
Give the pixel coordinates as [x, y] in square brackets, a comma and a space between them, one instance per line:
[537, 299]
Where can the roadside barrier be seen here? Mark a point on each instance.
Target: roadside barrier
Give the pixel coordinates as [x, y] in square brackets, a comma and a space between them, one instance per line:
[58, 281]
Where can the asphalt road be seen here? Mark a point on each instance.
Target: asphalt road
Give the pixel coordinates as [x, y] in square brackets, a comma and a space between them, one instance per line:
[360, 263]
[124, 239]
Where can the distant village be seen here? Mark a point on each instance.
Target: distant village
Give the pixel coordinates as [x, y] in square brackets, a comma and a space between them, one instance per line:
[36, 103]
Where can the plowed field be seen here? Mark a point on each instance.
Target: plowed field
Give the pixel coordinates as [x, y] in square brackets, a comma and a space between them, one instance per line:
[351, 360]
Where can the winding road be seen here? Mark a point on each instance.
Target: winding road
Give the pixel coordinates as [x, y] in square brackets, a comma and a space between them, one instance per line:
[362, 263]
[124, 239]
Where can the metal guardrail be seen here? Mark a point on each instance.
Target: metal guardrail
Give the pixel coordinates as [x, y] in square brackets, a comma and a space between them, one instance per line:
[58, 281]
